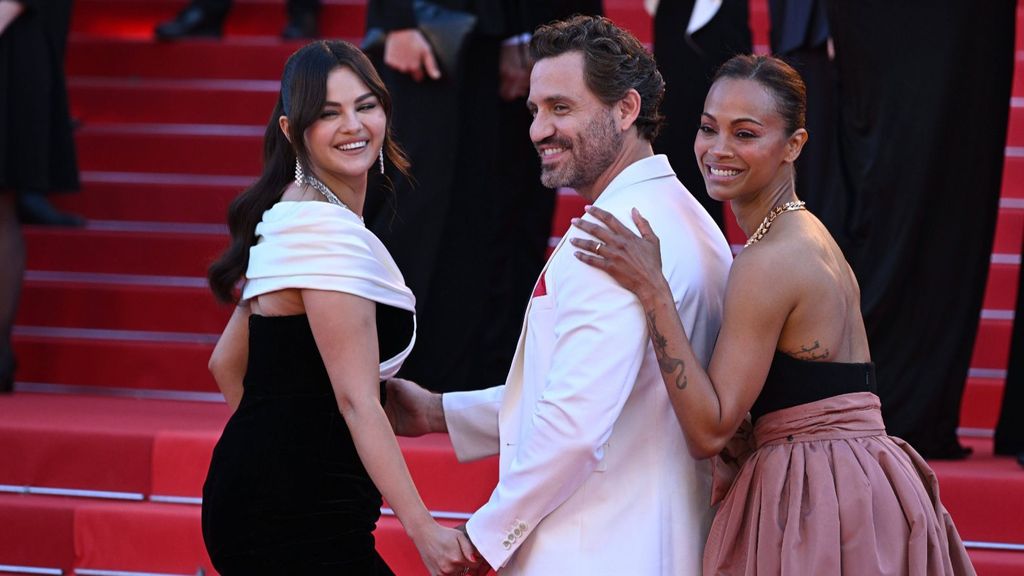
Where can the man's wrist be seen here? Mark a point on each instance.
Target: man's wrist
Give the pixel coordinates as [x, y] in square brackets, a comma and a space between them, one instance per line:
[437, 419]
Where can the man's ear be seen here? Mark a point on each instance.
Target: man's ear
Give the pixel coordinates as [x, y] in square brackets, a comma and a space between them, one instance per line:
[795, 144]
[283, 123]
[628, 109]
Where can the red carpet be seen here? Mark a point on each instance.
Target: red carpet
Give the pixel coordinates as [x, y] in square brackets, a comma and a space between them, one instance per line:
[116, 323]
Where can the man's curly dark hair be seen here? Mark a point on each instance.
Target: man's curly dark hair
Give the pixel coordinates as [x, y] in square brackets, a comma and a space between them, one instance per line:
[614, 62]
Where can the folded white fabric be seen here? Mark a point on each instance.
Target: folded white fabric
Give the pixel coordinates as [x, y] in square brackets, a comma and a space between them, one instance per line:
[316, 245]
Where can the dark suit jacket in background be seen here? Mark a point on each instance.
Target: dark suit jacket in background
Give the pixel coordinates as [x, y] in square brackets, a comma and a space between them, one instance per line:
[471, 234]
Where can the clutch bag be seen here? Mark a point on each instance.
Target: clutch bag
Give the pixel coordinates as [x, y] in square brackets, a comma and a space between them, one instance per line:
[445, 29]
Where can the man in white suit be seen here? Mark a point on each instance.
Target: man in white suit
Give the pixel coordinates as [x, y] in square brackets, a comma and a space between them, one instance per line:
[594, 476]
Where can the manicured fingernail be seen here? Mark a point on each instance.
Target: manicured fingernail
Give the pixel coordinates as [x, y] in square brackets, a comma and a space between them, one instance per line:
[588, 207]
[575, 220]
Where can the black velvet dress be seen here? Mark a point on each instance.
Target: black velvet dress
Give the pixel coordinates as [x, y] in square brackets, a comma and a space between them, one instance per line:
[286, 492]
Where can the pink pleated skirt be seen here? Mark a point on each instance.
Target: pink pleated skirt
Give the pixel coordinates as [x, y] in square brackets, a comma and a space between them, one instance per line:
[827, 492]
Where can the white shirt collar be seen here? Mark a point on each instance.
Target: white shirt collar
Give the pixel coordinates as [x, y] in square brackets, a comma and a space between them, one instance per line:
[649, 168]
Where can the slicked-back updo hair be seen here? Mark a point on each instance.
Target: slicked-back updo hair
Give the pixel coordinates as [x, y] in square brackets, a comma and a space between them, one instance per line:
[780, 79]
[614, 62]
[302, 97]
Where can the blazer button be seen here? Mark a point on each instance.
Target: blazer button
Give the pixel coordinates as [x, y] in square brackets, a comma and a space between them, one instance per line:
[506, 544]
[518, 532]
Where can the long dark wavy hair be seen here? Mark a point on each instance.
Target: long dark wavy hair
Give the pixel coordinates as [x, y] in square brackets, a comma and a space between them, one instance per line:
[302, 97]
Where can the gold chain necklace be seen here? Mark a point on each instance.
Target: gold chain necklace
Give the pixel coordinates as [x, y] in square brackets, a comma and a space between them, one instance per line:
[767, 222]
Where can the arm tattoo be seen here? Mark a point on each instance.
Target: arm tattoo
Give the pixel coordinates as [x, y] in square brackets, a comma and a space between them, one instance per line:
[810, 352]
[668, 365]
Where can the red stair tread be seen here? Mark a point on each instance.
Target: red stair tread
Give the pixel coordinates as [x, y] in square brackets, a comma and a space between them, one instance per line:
[226, 150]
[136, 19]
[230, 58]
[984, 494]
[981, 403]
[992, 346]
[1009, 230]
[997, 562]
[37, 531]
[1013, 169]
[111, 252]
[1001, 290]
[153, 197]
[120, 364]
[93, 443]
[121, 306]
[95, 100]
[140, 536]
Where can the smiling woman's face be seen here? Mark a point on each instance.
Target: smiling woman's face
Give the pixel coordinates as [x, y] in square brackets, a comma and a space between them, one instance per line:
[742, 144]
[344, 142]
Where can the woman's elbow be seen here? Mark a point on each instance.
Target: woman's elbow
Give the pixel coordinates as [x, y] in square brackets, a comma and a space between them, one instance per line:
[705, 446]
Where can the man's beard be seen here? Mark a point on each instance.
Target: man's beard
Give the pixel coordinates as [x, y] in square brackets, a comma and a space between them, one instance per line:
[587, 157]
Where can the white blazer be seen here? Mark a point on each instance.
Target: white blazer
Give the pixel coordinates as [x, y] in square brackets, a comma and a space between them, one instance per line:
[594, 474]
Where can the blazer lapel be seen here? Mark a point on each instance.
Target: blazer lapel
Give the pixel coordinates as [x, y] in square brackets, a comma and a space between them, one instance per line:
[514, 381]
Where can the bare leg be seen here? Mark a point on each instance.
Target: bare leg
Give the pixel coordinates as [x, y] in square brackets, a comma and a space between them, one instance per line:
[12, 254]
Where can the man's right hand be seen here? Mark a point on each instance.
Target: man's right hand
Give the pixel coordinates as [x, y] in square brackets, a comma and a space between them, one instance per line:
[409, 52]
[413, 410]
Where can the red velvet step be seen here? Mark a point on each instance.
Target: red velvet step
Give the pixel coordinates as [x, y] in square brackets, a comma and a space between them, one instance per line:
[1001, 290]
[226, 150]
[1013, 169]
[984, 494]
[149, 197]
[1009, 227]
[142, 537]
[113, 252]
[1015, 134]
[982, 400]
[37, 531]
[121, 303]
[160, 450]
[124, 361]
[148, 100]
[992, 346]
[237, 58]
[98, 443]
[997, 562]
[136, 18]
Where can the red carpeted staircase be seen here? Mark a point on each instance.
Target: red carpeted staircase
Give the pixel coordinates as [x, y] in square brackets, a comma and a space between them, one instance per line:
[105, 444]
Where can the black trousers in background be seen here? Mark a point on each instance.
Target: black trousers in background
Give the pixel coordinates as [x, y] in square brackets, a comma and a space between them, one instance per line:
[1010, 429]
[687, 65]
[923, 97]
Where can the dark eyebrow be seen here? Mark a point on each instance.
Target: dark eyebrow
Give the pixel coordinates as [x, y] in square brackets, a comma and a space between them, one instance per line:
[736, 121]
[366, 96]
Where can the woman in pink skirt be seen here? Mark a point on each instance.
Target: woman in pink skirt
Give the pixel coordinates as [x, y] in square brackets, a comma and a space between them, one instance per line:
[820, 487]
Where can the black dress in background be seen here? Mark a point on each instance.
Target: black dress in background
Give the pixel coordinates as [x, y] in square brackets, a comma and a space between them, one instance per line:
[286, 492]
[469, 231]
[37, 151]
[923, 97]
[687, 64]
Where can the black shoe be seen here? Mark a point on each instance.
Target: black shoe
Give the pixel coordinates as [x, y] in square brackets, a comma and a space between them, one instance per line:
[300, 26]
[36, 209]
[7, 366]
[192, 22]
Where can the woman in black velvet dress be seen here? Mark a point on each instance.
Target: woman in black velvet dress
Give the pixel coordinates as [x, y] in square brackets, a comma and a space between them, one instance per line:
[296, 480]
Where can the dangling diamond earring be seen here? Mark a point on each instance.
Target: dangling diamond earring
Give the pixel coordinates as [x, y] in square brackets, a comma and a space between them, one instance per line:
[300, 177]
[382, 160]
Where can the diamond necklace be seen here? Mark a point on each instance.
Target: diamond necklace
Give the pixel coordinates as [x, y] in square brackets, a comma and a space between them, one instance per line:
[322, 188]
[767, 222]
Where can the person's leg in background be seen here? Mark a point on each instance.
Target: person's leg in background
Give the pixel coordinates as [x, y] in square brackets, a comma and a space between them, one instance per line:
[12, 254]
